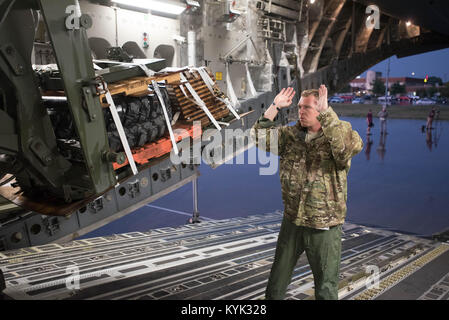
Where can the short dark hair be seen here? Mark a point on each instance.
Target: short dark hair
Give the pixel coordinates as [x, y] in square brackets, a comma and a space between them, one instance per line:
[310, 92]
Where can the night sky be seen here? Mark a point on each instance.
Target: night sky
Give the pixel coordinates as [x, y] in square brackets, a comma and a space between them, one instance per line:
[434, 63]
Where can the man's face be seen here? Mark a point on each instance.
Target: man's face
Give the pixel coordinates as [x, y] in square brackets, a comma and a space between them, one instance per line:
[307, 111]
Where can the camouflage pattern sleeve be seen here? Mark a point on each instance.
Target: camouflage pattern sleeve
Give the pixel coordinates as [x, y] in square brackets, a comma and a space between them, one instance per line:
[345, 142]
[264, 132]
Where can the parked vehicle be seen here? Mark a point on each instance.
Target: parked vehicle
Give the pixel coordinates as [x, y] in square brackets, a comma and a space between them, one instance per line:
[440, 100]
[426, 101]
[383, 100]
[347, 98]
[404, 99]
[336, 100]
[358, 101]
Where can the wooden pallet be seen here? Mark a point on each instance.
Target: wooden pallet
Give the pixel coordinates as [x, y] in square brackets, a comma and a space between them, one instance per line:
[138, 86]
[189, 110]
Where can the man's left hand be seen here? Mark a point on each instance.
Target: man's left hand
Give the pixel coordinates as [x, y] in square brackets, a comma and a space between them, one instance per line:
[322, 100]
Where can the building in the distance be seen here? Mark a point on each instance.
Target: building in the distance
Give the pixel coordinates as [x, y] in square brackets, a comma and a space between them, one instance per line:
[371, 76]
[365, 85]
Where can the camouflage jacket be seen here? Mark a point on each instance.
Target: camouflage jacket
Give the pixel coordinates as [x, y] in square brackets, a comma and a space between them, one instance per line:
[313, 174]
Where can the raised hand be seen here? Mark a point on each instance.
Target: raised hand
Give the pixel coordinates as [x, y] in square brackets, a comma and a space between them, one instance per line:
[285, 98]
[322, 100]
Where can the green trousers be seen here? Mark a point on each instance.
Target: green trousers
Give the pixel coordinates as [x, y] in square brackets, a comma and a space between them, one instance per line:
[323, 250]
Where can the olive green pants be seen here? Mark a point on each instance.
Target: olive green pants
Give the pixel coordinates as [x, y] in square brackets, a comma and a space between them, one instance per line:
[323, 250]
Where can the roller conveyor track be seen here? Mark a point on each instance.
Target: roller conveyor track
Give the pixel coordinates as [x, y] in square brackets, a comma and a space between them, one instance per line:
[219, 259]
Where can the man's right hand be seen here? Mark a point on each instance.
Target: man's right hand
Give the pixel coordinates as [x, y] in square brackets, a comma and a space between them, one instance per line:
[285, 98]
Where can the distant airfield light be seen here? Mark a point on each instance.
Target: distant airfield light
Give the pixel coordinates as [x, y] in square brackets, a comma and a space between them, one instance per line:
[413, 73]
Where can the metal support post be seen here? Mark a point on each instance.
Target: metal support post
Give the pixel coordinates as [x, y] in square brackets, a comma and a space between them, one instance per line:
[196, 214]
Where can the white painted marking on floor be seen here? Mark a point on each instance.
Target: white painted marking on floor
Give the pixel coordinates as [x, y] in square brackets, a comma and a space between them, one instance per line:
[178, 212]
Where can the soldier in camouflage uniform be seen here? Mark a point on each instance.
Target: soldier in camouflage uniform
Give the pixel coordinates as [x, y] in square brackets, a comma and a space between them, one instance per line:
[315, 157]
